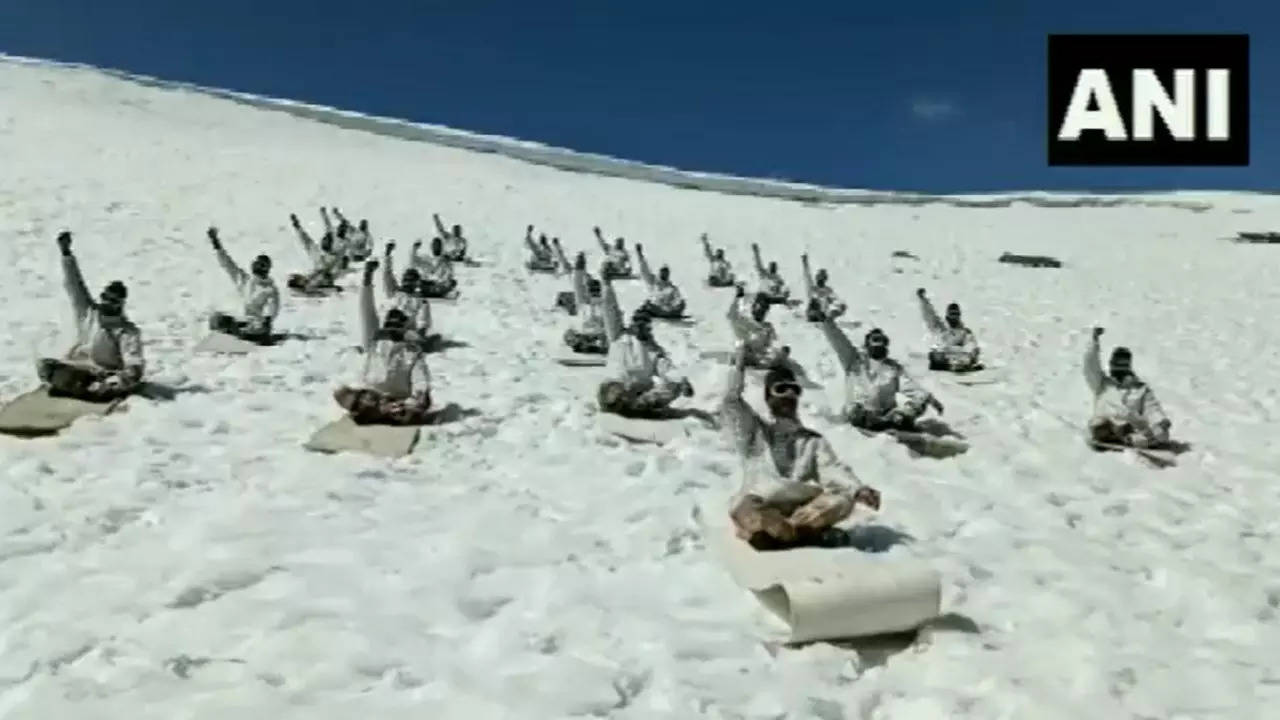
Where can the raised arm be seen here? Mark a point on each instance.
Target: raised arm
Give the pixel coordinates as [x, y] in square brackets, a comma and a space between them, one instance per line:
[735, 312]
[845, 351]
[237, 274]
[72, 280]
[808, 276]
[308, 245]
[328, 224]
[600, 239]
[930, 315]
[338, 214]
[529, 243]
[645, 273]
[368, 308]
[755, 253]
[1093, 376]
[736, 416]
[580, 294]
[562, 262]
[612, 313]
[706, 248]
[389, 285]
[439, 226]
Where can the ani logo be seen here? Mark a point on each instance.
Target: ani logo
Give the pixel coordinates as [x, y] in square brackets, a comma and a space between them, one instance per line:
[1149, 100]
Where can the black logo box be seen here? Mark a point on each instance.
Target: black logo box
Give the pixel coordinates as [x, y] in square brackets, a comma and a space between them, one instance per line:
[1119, 55]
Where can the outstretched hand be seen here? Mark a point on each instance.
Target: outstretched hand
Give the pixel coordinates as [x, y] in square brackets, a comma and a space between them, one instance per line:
[868, 496]
[293, 218]
[386, 252]
[935, 404]
[739, 290]
[639, 249]
[920, 293]
[64, 241]
[580, 262]
[1097, 332]
[213, 237]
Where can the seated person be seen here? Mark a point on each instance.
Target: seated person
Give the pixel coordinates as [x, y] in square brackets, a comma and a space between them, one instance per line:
[587, 294]
[794, 489]
[407, 297]
[665, 300]
[721, 274]
[641, 381]
[1125, 409]
[541, 257]
[755, 332]
[455, 245]
[106, 362]
[257, 291]
[438, 280]
[396, 387]
[772, 287]
[872, 382]
[955, 348]
[326, 261]
[823, 302]
[617, 263]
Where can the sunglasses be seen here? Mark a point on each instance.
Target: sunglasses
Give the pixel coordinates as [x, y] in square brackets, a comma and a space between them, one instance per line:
[784, 389]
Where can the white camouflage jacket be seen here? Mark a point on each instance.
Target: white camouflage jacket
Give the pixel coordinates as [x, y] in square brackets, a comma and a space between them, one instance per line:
[782, 462]
[827, 299]
[397, 369]
[434, 268]
[407, 300]
[329, 263]
[946, 338]
[588, 308]
[664, 295]
[260, 296]
[1132, 402]
[631, 361]
[111, 344]
[873, 384]
[759, 336]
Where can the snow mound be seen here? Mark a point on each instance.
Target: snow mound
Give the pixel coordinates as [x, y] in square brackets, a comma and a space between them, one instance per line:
[190, 559]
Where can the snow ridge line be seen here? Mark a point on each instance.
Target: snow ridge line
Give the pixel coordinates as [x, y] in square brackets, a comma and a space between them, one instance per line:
[603, 165]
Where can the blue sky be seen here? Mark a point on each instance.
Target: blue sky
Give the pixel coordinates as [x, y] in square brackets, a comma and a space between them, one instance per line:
[928, 95]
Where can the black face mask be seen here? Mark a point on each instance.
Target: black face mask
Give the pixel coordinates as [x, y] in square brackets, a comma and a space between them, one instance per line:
[1120, 373]
[953, 321]
[261, 269]
[391, 332]
[759, 311]
[878, 352]
[110, 308]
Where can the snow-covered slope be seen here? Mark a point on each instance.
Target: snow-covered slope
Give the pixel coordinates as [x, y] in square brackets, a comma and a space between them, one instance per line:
[190, 560]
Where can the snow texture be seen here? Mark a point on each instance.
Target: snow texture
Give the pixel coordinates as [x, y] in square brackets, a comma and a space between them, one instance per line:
[188, 559]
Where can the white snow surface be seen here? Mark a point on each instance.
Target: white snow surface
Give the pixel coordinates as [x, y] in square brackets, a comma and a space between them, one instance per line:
[191, 560]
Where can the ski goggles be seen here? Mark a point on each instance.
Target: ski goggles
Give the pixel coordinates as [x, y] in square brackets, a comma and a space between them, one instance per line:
[785, 388]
